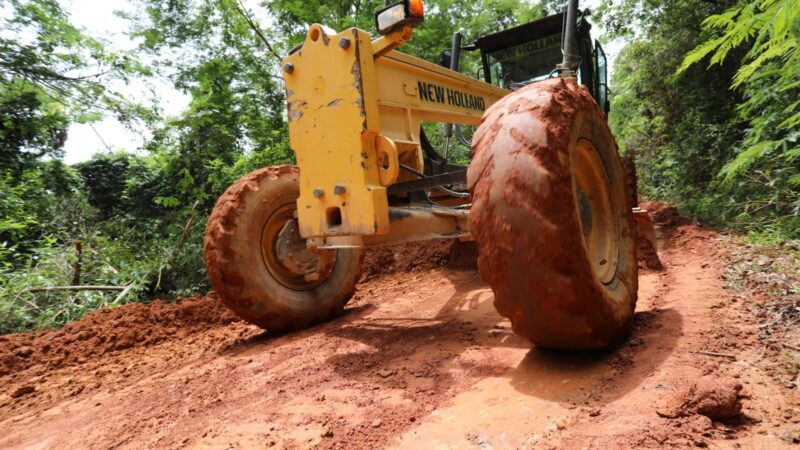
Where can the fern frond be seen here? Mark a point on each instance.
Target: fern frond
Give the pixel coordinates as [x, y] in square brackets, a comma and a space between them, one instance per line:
[792, 154]
[746, 72]
[724, 20]
[746, 158]
[699, 53]
[791, 85]
[793, 120]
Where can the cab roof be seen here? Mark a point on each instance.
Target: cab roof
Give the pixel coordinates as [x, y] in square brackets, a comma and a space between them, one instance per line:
[537, 29]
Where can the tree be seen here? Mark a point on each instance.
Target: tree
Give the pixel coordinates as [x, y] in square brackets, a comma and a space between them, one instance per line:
[217, 53]
[52, 74]
[763, 173]
[719, 141]
[768, 74]
[680, 128]
[29, 129]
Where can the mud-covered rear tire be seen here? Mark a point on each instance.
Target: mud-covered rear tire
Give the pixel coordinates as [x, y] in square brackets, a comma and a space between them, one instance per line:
[552, 219]
[246, 270]
[631, 180]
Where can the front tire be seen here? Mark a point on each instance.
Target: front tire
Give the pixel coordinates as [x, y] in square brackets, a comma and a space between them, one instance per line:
[552, 219]
[259, 265]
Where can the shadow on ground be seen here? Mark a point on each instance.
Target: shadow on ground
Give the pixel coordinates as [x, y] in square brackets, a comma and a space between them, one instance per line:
[423, 347]
[578, 376]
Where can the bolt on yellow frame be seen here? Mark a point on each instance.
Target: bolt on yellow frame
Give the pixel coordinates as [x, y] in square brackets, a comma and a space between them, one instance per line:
[355, 106]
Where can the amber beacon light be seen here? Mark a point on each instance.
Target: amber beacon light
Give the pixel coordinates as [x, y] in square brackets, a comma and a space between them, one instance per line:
[406, 14]
[416, 8]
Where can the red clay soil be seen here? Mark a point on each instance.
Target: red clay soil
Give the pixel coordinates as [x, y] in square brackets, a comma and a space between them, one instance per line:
[107, 331]
[415, 257]
[145, 325]
[663, 214]
[420, 359]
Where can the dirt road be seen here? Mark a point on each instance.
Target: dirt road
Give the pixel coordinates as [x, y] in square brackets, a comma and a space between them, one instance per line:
[420, 360]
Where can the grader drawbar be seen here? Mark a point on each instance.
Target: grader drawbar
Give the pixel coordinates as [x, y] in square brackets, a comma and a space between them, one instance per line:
[544, 196]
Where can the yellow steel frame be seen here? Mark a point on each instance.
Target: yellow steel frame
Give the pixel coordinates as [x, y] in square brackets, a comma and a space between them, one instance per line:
[354, 108]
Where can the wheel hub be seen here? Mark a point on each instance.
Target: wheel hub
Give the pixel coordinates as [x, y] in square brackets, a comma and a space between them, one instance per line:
[295, 256]
[585, 211]
[287, 256]
[599, 222]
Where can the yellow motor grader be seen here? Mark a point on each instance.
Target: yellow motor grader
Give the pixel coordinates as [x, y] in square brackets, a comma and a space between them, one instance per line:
[544, 196]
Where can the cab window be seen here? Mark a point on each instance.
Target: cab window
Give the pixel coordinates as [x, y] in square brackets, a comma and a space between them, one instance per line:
[525, 63]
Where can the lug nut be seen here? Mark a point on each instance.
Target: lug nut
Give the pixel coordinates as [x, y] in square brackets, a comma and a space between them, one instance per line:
[319, 192]
[339, 189]
[344, 42]
[288, 68]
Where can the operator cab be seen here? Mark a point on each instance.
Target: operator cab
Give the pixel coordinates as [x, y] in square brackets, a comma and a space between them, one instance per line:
[518, 56]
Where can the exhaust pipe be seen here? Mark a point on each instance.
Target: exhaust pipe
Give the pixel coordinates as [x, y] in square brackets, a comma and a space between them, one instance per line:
[569, 64]
[455, 59]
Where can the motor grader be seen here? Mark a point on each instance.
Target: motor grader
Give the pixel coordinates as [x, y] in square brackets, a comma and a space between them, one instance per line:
[544, 196]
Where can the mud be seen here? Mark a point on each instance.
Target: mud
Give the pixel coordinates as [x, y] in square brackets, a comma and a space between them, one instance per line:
[420, 359]
[415, 257]
[525, 219]
[664, 214]
[665, 217]
[716, 398]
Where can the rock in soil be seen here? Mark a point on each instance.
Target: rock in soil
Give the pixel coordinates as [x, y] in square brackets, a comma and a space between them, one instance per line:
[24, 390]
[716, 398]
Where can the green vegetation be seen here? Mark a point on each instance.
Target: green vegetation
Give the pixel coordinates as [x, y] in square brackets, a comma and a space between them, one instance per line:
[705, 97]
[707, 102]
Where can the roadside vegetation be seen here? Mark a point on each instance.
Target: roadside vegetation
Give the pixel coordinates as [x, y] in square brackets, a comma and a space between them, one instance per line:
[766, 278]
[704, 96]
[707, 103]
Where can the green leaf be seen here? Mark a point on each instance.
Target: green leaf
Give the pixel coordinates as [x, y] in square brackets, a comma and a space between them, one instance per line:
[747, 158]
[167, 202]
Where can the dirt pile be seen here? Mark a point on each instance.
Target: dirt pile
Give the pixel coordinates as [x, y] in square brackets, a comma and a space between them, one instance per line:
[146, 324]
[111, 329]
[665, 220]
[663, 214]
[716, 398]
[418, 256]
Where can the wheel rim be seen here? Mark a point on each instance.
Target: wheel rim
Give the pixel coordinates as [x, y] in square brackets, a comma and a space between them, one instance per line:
[599, 223]
[287, 266]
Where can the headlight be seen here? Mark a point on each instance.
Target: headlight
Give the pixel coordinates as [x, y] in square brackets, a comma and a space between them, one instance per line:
[407, 13]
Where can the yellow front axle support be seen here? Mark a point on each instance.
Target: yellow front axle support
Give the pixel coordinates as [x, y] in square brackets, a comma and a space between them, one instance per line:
[355, 107]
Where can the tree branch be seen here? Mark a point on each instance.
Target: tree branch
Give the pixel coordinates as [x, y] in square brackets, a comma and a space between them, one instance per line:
[76, 288]
[254, 26]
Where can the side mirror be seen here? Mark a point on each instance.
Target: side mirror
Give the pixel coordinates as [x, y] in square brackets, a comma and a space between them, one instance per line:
[404, 14]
